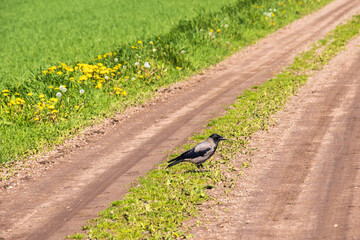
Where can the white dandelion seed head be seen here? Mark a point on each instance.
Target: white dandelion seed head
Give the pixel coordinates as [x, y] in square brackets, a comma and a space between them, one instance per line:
[124, 67]
[133, 79]
[225, 26]
[116, 60]
[58, 94]
[154, 50]
[82, 91]
[106, 77]
[62, 88]
[137, 64]
[227, 42]
[210, 33]
[182, 51]
[214, 36]
[147, 65]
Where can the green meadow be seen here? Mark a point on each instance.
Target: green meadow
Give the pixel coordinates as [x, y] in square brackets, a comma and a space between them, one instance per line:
[40, 33]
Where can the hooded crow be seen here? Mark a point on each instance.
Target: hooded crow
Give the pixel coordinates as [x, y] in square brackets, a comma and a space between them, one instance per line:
[200, 153]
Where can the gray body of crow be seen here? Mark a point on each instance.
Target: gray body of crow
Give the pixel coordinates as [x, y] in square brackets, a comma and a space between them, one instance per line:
[209, 146]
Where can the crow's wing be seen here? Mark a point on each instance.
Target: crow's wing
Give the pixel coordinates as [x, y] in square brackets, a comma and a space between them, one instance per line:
[198, 151]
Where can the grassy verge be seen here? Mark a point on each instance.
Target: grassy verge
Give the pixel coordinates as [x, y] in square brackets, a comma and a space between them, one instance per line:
[63, 98]
[155, 207]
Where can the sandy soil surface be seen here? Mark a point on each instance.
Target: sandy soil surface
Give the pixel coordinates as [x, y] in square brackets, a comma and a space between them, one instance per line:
[304, 182]
[77, 180]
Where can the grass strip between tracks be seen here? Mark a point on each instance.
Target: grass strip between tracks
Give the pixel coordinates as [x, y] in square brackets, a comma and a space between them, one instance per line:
[157, 204]
[60, 100]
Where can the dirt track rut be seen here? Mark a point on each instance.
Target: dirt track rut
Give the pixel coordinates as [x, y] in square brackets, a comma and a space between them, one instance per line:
[312, 190]
[87, 180]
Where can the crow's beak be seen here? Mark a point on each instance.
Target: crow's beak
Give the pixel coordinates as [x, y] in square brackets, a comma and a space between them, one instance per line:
[222, 138]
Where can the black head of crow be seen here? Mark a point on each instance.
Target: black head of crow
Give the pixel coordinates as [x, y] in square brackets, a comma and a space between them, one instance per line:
[200, 153]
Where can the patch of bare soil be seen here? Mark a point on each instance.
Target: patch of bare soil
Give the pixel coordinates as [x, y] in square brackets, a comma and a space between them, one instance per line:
[59, 191]
[304, 179]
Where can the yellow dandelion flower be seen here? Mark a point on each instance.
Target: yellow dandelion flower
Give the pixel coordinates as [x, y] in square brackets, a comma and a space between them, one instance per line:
[83, 78]
[41, 96]
[55, 100]
[36, 119]
[29, 94]
[76, 107]
[124, 93]
[51, 107]
[99, 57]
[5, 91]
[158, 77]
[5, 94]
[44, 72]
[71, 79]
[139, 42]
[55, 111]
[99, 85]
[118, 92]
[51, 87]
[133, 47]
[218, 30]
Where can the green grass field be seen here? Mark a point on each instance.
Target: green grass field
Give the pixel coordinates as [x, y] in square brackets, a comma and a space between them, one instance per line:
[41, 33]
[59, 100]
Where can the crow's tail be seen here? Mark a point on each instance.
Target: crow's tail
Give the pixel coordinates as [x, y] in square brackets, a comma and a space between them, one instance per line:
[176, 161]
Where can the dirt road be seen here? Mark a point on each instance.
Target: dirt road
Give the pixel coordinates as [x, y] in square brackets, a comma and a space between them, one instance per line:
[60, 200]
[305, 183]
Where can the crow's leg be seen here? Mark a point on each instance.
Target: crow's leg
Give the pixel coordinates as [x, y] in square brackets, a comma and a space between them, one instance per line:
[199, 165]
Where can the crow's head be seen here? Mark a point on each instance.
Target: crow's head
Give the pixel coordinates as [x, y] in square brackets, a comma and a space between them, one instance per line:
[217, 137]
